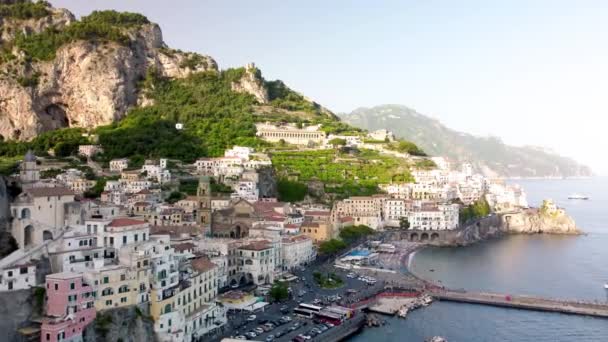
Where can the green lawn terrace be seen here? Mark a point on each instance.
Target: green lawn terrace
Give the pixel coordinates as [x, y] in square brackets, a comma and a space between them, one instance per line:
[343, 174]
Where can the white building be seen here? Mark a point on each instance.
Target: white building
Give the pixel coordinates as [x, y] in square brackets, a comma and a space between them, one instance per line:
[240, 152]
[89, 150]
[117, 165]
[297, 251]
[124, 231]
[246, 190]
[440, 217]
[259, 262]
[382, 134]
[18, 277]
[395, 209]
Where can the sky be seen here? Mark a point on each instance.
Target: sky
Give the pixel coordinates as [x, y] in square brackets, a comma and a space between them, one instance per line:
[529, 71]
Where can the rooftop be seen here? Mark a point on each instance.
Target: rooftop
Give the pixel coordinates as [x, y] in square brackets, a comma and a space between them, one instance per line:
[202, 264]
[125, 222]
[256, 246]
[49, 191]
[64, 275]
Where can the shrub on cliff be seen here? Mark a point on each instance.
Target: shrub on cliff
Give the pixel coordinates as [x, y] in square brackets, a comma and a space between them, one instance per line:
[25, 10]
[98, 26]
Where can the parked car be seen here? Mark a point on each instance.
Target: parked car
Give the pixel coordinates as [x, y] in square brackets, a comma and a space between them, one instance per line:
[251, 318]
[241, 337]
[269, 338]
[259, 330]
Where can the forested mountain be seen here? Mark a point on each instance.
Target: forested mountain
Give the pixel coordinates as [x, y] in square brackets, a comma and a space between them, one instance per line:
[489, 154]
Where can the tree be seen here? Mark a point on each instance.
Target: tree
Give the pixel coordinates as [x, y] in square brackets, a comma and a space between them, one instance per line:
[404, 223]
[332, 246]
[351, 234]
[175, 196]
[279, 291]
[337, 142]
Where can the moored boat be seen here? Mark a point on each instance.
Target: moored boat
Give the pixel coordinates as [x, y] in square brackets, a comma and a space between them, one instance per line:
[578, 197]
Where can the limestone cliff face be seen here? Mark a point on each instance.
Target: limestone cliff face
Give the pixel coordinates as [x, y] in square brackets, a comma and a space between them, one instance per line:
[535, 221]
[252, 83]
[88, 83]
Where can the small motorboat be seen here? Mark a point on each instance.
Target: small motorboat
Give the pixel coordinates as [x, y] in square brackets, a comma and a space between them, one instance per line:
[431, 270]
[578, 197]
[606, 286]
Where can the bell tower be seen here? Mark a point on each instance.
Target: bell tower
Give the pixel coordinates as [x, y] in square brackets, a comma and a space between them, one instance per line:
[29, 169]
[203, 193]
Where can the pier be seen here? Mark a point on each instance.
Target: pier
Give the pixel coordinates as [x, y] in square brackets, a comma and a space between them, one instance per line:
[595, 309]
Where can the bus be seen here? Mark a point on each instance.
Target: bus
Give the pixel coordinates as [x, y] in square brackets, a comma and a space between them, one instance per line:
[329, 317]
[310, 307]
[303, 313]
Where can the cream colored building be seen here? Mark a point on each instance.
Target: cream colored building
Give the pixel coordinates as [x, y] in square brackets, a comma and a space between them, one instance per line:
[39, 214]
[291, 134]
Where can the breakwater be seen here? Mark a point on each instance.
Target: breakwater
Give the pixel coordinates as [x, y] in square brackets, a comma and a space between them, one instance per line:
[573, 307]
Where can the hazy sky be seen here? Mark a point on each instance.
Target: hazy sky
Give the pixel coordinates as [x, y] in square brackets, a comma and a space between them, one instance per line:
[531, 72]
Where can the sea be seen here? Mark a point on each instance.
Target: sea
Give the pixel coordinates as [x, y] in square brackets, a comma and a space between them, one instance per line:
[572, 267]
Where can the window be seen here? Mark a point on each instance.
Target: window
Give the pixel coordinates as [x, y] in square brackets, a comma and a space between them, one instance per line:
[23, 270]
[56, 287]
[123, 299]
[106, 280]
[124, 239]
[108, 302]
[123, 277]
[136, 237]
[10, 273]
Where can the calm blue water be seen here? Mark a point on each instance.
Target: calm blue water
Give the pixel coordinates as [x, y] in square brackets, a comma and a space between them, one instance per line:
[555, 266]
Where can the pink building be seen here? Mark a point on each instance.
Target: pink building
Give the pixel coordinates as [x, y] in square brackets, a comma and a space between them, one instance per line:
[70, 307]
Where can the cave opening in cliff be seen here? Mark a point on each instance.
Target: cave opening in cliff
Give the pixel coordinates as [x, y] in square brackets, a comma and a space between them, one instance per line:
[55, 116]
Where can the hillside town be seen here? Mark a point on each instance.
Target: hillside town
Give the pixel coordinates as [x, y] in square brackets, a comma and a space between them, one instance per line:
[188, 260]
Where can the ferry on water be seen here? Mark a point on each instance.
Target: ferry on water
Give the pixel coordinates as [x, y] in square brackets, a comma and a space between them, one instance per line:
[578, 197]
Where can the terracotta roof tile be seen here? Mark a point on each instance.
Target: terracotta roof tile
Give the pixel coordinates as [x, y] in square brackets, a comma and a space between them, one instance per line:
[47, 191]
[202, 264]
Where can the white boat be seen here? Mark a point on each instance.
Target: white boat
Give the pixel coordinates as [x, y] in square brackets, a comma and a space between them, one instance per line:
[606, 286]
[578, 197]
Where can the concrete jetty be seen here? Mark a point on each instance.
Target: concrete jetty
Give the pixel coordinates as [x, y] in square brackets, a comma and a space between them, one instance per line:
[595, 309]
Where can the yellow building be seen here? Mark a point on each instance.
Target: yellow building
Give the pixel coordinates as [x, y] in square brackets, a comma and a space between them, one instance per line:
[116, 286]
[318, 231]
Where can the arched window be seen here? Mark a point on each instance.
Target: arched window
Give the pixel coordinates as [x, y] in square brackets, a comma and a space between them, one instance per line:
[107, 291]
[25, 213]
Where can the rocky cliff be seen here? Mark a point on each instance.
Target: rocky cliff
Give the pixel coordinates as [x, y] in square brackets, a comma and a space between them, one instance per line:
[536, 221]
[88, 82]
[531, 221]
[128, 324]
[252, 83]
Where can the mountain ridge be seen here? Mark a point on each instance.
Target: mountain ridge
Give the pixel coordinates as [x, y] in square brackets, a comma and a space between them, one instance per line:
[489, 154]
